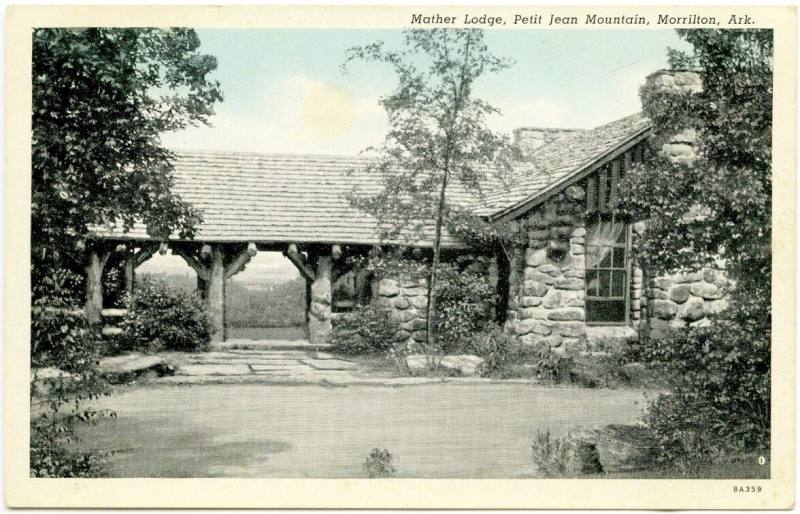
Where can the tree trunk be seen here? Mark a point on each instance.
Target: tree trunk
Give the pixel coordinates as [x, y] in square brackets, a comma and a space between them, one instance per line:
[437, 241]
[94, 288]
[215, 293]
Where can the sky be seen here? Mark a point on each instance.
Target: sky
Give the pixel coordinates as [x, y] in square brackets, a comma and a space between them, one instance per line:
[285, 92]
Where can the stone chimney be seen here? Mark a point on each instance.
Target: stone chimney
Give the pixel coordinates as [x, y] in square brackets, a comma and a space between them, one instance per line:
[530, 139]
[680, 144]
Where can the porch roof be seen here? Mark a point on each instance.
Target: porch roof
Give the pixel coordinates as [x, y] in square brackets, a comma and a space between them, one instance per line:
[304, 198]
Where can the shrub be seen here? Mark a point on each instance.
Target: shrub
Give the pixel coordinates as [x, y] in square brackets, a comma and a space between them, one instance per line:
[61, 338]
[379, 464]
[465, 303]
[506, 357]
[162, 318]
[549, 455]
[719, 400]
[364, 331]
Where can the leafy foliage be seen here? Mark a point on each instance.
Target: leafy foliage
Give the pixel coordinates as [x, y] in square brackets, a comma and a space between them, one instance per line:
[379, 464]
[438, 135]
[63, 343]
[364, 331]
[506, 357]
[101, 99]
[549, 454]
[466, 302]
[162, 318]
[720, 375]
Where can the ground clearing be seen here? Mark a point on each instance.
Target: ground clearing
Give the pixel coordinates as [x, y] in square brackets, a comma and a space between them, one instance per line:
[433, 430]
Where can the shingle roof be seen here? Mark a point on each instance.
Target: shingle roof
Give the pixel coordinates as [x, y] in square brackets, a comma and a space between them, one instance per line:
[304, 198]
[561, 159]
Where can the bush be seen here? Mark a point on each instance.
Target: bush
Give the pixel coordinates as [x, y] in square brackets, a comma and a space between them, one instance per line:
[379, 464]
[364, 331]
[719, 400]
[61, 338]
[549, 455]
[465, 303]
[507, 357]
[161, 318]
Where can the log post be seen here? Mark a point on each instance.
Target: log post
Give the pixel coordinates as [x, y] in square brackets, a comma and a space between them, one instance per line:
[215, 293]
[130, 271]
[94, 285]
[320, 328]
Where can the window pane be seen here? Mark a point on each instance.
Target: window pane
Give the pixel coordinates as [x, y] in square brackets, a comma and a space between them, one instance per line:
[621, 236]
[606, 262]
[619, 257]
[617, 281]
[591, 282]
[605, 311]
[605, 283]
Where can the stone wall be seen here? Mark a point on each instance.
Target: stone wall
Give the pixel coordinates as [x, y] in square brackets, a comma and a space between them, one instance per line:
[675, 301]
[406, 301]
[547, 299]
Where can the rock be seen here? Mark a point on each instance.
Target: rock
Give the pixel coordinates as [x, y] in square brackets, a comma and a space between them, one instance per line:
[692, 310]
[566, 315]
[659, 328]
[534, 274]
[684, 278]
[533, 288]
[579, 232]
[466, 365]
[620, 448]
[577, 249]
[707, 291]
[716, 306]
[401, 303]
[571, 329]
[575, 273]
[415, 291]
[463, 365]
[134, 364]
[420, 302]
[548, 268]
[388, 287]
[662, 283]
[663, 309]
[50, 374]
[530, 301]
[419, 335]
[535, 257]
[552, 299]
[532, 312]
[679, 294]
[712, 276]
[570, 284]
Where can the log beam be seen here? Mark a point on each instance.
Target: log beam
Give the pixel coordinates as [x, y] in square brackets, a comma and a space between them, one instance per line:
[300, 263]
[240, 261]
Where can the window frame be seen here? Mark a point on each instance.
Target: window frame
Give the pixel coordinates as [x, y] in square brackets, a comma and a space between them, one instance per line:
[626, 285]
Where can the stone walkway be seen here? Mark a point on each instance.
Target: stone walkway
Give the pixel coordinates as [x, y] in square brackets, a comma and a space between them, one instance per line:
[261, 361]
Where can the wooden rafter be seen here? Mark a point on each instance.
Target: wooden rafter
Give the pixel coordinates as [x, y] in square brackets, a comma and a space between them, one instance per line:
[240, 261]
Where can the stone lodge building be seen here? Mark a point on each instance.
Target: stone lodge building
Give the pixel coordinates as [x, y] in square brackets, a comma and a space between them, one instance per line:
[573, 277]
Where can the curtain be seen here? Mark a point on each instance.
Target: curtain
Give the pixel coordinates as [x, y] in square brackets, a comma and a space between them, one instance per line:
[600, 237]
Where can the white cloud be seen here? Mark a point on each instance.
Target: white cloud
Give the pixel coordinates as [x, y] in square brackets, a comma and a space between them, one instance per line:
[300, 115]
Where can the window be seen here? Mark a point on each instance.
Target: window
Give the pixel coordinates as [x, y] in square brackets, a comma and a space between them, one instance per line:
[606, 270]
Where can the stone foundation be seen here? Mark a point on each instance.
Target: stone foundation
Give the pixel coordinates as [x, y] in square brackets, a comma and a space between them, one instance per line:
[406, 301]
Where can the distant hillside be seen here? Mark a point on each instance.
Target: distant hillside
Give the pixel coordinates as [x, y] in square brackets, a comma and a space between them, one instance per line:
[253, 303]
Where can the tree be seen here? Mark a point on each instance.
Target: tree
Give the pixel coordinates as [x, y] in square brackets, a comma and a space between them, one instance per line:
[721, 386]
[101, 99]
[438, 135]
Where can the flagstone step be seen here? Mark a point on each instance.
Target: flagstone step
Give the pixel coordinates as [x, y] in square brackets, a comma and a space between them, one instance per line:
[248, 344]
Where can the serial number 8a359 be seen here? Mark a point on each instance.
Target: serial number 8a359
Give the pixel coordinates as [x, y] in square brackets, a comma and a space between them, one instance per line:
[747, 489]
